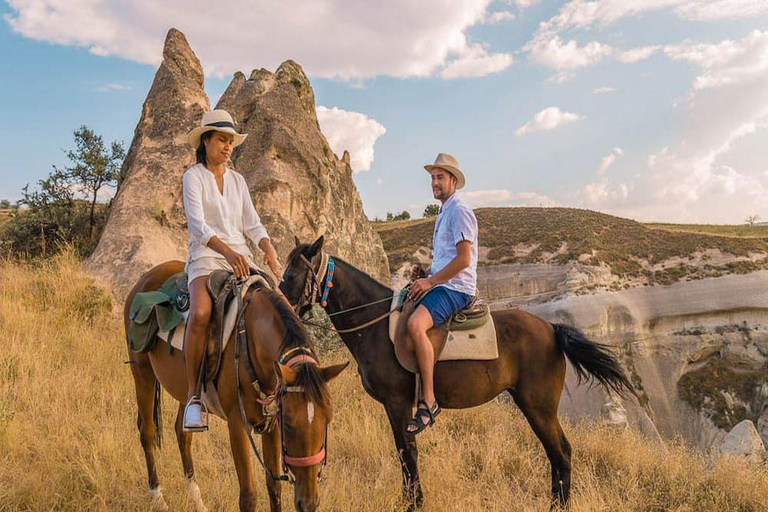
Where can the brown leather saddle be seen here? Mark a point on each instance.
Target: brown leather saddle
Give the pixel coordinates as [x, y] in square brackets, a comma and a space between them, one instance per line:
[223, 289]
[475, 315]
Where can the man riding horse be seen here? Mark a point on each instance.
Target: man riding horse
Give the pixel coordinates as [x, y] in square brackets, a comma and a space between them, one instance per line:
[450, 282]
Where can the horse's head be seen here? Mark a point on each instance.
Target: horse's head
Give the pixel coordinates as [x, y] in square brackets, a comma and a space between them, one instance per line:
[304, 415]
[303, 275]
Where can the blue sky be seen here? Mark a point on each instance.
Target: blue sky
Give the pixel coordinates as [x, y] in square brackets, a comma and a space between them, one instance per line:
[653, 109]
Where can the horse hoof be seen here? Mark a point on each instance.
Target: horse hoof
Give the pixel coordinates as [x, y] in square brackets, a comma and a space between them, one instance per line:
[158, 502]
[194, 494]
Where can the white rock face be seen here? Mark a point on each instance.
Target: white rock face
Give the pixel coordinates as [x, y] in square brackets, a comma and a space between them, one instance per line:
[743, 441]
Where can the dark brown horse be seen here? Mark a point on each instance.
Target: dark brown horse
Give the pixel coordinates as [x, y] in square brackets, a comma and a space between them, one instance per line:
[531, 364]
[303, 404]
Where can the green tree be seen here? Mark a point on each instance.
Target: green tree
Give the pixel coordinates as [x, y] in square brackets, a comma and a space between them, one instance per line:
[390, 216]
[94, 167]
[431, 210]
[404, 215]
[5, 204]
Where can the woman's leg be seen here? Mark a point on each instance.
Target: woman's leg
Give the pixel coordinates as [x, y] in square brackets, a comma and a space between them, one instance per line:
[200, 306]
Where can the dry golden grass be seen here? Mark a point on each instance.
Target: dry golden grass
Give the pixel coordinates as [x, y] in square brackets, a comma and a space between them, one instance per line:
[68, 438]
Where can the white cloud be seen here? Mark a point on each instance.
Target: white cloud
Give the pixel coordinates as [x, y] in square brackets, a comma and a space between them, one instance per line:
[548, 48]
[343, 39]
[351, 131]
[561, 77]
[716, 172]
[712, 10]
[608, 159]
[505, 197]
[113, 87]
[603, 90]
[476, 62]
[523, 4]
[499, 17]
[637, 54]
[726, 63]
[556, 54]
[548, 119]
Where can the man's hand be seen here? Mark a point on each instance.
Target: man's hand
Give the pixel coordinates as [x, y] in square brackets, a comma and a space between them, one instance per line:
[239, 263]
[419, 288]
[272, 261]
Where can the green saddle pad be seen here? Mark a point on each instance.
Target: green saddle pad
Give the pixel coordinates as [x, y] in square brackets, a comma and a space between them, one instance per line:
[151, 312]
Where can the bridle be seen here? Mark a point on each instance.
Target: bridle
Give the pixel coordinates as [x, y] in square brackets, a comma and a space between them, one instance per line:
[311, 292]
[272, 405]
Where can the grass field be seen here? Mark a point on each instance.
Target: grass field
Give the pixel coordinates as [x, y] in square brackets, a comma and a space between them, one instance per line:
[68, 439]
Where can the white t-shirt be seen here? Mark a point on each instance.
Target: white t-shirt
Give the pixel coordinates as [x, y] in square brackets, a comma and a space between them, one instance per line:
[229, 216]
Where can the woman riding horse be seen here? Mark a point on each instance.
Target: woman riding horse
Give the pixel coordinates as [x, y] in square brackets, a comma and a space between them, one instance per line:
[220, 214]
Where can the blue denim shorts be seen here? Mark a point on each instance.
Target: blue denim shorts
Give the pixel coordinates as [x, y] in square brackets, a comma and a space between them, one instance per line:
[442, 303]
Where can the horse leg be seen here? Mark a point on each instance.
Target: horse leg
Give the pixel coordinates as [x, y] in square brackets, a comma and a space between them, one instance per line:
[399, 413]
[241, 453]
[270, 443]
[185, 448]
[542, 416]
[145, 382]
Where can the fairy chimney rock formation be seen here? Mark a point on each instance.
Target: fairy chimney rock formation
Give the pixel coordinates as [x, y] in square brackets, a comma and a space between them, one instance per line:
[298, 185]
[146, 223]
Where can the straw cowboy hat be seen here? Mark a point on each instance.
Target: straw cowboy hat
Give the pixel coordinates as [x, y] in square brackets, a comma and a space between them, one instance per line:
[215, 120]
[448, 163]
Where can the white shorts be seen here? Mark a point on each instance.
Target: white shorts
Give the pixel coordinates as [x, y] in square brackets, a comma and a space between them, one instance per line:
[206, 265]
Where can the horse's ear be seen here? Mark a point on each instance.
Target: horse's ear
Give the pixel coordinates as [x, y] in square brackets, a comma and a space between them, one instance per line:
[285, 374]
[317, 246]
[296, 239]
[331, 372]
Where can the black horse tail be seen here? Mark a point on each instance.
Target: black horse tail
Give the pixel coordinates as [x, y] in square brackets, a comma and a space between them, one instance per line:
[592, 361]
[157, 416]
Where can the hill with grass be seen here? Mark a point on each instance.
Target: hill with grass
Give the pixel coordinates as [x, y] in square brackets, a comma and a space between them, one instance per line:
[634, 253]
[68, 437]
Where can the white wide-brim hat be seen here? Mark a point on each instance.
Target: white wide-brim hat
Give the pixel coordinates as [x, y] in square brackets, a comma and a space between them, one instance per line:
[219, 121]
[448, 163]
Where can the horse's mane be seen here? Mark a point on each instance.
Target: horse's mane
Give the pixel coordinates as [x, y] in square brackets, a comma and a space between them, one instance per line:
[296, 335]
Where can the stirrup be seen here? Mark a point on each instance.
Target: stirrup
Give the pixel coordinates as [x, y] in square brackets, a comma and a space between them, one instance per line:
[200, 426]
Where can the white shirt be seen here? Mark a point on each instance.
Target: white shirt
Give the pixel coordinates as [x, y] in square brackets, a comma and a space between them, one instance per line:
[455, 223]
[229, 216]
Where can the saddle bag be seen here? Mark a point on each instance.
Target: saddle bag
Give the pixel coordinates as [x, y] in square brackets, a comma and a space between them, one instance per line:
[143, 325]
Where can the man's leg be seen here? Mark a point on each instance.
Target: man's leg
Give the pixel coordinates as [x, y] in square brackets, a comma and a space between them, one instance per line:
[418, 325]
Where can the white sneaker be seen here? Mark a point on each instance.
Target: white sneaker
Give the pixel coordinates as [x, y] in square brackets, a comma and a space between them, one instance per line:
[193, 416]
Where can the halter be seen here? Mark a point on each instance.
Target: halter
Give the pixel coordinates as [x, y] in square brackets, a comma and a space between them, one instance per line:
[272, 405]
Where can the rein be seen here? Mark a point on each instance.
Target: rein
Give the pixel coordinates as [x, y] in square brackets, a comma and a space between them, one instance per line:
[312, 287]
[272, 405]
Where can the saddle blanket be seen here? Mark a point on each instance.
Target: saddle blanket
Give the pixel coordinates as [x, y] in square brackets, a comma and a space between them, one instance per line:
[478, 344]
